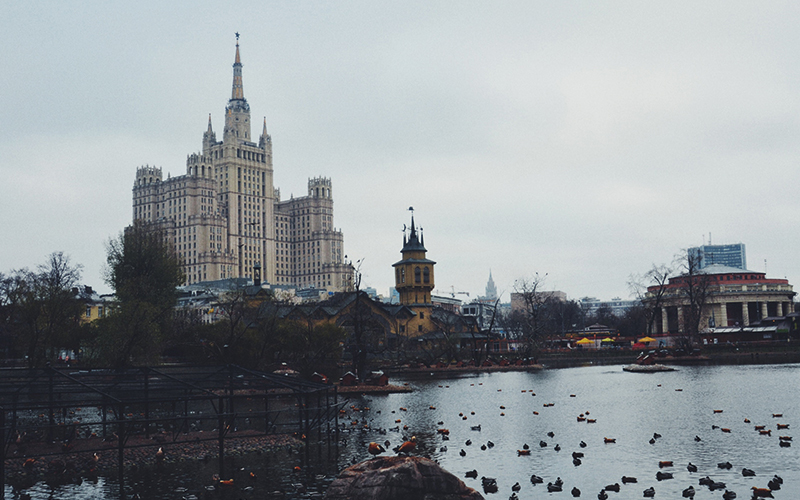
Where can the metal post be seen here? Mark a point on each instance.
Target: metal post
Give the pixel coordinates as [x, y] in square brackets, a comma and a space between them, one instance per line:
[221, 428]
[121, 451]
[3, 453]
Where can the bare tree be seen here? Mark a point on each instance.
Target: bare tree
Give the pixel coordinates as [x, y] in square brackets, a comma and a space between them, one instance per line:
[650, 289]
[695, 287]
[530, 322]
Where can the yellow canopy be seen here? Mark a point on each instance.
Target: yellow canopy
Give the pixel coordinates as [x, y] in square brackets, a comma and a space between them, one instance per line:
[585, 341]
[647, 339]
[607, 339]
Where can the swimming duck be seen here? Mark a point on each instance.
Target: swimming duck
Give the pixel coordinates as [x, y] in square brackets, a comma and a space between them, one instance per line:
[761, 492]
[408, 446]
[649, 492]
[729, 495]
[551, 487]
[576, 492]
[612, 487]
[516, 487]
[536, 479]
[472, 474]
[748, 472]
[724, 465]
[688, 492]
[691, 467]
[663, 475]
[462, 452]
[602, 495]
[629, 479]
[375, 449]
[773, 484]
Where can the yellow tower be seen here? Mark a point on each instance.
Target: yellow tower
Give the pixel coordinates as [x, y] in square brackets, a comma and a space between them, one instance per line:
[413, 275]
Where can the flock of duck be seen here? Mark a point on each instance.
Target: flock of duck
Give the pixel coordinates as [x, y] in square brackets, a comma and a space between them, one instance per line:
[666, 468]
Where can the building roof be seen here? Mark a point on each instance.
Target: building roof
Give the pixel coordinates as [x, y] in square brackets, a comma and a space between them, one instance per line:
[721, 269]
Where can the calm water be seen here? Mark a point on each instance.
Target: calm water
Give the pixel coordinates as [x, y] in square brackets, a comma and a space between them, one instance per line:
[627, 406]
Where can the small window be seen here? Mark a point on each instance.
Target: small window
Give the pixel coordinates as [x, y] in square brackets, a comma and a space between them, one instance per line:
[426, 275]
[417, 275]
[422, 315]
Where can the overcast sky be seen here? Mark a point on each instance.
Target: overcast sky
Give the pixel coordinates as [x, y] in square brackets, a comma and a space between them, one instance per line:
[584, 140]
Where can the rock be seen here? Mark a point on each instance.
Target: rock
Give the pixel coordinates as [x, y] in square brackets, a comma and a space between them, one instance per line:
[397, 478]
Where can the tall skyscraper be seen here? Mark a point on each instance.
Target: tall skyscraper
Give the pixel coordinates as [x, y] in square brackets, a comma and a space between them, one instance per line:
[727, 255]
[224, 215]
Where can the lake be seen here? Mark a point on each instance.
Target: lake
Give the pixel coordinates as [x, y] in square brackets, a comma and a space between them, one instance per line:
[627, 407]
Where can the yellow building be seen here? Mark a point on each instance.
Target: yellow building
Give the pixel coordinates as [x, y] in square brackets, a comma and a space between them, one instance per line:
[414, 281]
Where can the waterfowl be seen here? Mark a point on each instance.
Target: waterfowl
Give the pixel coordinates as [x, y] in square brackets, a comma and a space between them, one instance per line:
[663, 475]
[408, 446]
[375, 449]
[557, 447]
[725, 429]
[649, 492]
[697, 439]
[612, 487]
[760, 427]
[773, 484]
[652, 441]
[778, 478]
[559, 482]
[577, 454]
[784, 444]
[483, 447]
[705, 481]
[462, 452]
[553, 487]
[490, 444]
[665, 463]
[472, 474]
[576, 462]
[629, 479]
[551, 434]
[160, 455]
[602, 495]
[729, 495]
[716, 485]
[536, 479]
[489, 484]
[542, 444]
[609, 440]
[724, 465]
[717, 411]
[226, 482]
[591, 420]
[525, 446]
[516, 487]
[783, 426]
[747, 420]
[476, 427]
[761, 492]
[576, 492]
[767, 432]
[691, 467]
[656, 435]
[468, 442]
[582, 444]
[777, 415]
[443, 449]
[748, 472]
[523, 452]
[688, 492]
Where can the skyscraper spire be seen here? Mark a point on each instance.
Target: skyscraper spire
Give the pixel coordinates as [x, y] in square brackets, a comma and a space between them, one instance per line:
[238, 90]
[209, 124]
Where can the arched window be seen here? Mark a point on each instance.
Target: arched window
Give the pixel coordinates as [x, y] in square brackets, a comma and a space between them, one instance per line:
[417, 275]
[426, 275]
[403, 275]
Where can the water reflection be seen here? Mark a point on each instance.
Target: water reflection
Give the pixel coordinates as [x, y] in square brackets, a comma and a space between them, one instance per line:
[628, 407]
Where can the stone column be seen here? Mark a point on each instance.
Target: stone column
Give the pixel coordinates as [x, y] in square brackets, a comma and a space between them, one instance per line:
[723, 316]
[664, 321]
[680, 319]
[745, 314]
[764, 310]
[780, 308]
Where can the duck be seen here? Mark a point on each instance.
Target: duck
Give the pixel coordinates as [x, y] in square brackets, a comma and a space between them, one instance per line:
[542, 444]
[716, 485]
[612, 487]
[748, 472]
[602, 495]
[582, 444]
[576, 462]
[462, 452]
[649, 492]
[408, 446]
[576, 492]
[729, 495]
[551, 434]
[536, 479]
[489, 484]
[691, 467]
[375, 449]
[629, 479]
[773, 484]
[697, 439]
[523, 453]
[725, 465]
[483, 447]
[762, 492]
[472, 474]
[664, 463]
[551, 487]
[688, 492]
[663, 475]
[443, 449]
[557, 447]
[609, 440]
[705, 481]
[490, 444]
[525, 446]
[577, 454]
[516, 487]
[468, 442]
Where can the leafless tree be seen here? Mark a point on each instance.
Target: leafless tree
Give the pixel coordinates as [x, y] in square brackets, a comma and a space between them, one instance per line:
[695, 287]
[531, 322]
[650, 289]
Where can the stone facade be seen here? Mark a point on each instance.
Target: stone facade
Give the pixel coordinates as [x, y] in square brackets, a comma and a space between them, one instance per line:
[225, 216]
[737, 297]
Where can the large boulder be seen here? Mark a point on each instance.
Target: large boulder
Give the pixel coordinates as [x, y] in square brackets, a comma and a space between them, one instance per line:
[399, 478]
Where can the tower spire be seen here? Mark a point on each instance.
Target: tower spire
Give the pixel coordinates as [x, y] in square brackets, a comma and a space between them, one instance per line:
[237, 92]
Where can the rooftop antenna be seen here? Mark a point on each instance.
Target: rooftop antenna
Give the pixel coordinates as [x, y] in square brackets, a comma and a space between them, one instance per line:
[765, 266]
[709, 237]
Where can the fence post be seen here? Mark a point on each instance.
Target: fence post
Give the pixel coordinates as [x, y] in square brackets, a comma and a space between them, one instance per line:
[221, 427]
[3, 453]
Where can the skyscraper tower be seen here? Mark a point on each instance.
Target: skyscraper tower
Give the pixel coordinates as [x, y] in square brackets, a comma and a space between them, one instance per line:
[225, 216]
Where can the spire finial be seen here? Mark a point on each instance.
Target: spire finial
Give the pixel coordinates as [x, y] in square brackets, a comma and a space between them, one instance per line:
[209, 122]
[264, 132]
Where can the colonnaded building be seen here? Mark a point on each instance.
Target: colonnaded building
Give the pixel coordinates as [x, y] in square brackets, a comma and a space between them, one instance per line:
[226, 218]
